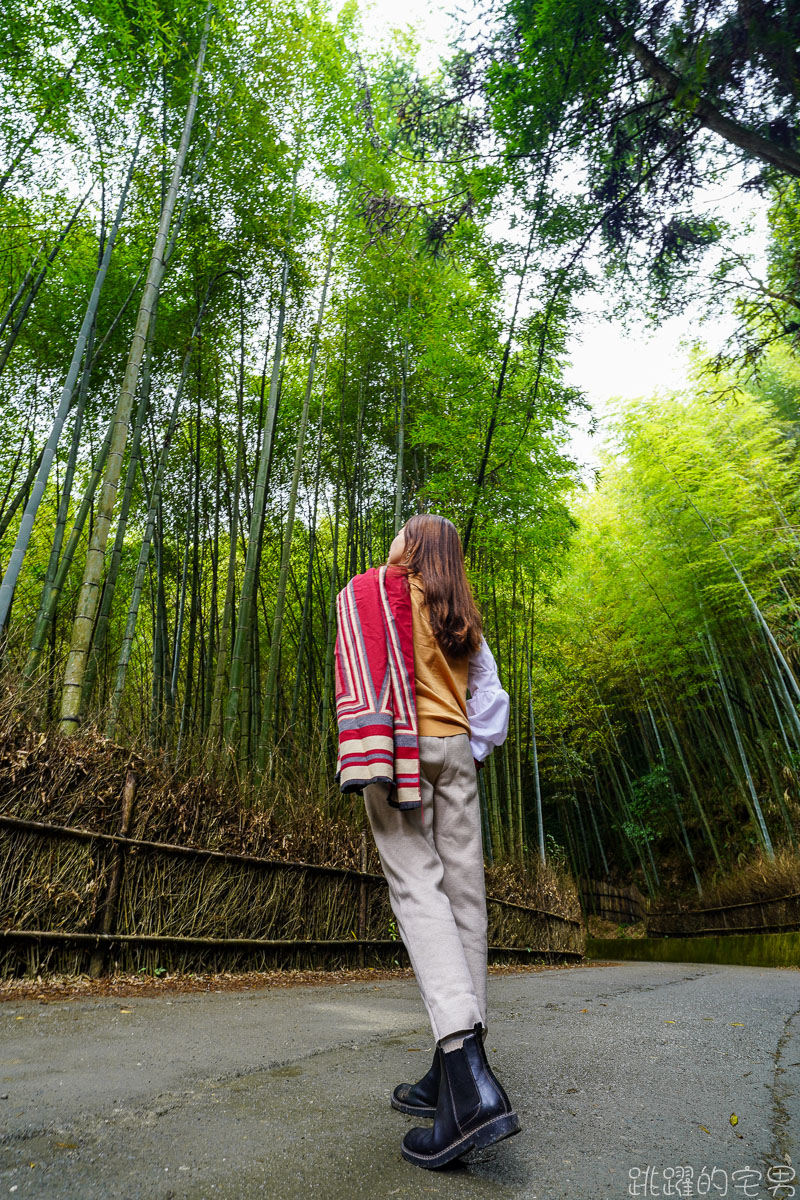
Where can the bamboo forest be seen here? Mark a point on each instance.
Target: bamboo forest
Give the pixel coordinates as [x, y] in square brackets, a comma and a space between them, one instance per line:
[270, 287]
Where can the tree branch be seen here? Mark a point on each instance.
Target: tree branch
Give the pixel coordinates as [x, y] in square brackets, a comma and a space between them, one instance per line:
[707, 114]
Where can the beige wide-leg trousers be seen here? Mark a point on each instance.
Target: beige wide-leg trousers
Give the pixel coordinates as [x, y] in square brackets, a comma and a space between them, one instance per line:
[433, 862]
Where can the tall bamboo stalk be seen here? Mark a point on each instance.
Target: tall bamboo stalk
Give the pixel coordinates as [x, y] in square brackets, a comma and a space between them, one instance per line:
[90, 315]
[283, 571]
[50, 596]
[144, 553]
[401, 435]
[757, 811]
[89, 597]
[239, 679]
[110, 583]
[5, 351]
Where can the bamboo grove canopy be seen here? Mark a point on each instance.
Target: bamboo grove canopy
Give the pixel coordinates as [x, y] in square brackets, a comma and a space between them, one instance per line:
[257, 310]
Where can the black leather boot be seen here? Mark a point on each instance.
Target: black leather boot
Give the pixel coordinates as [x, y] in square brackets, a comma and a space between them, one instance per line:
[420, 1098]
[472, 1109]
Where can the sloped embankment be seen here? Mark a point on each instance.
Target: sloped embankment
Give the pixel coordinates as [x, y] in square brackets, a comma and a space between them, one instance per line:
[115, 859]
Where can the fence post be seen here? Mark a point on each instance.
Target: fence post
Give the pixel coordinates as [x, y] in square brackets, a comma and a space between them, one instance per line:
[110, 903]
[362, 898]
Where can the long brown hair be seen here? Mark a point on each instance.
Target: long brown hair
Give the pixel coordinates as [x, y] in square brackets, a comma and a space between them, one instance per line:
[433, 550]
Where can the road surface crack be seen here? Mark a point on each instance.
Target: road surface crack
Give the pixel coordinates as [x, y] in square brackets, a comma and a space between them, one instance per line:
[786, 1092]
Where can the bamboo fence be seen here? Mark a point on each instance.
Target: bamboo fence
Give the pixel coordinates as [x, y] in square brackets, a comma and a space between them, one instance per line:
[625, 905]
[72, 898]
[772, 915]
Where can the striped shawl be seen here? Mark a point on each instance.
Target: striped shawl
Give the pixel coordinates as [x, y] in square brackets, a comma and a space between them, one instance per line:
[375, 697]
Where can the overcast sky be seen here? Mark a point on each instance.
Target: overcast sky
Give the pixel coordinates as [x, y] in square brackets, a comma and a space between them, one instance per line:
[607, 361]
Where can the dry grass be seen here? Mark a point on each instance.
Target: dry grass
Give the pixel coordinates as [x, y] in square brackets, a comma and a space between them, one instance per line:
[536, 885]
[78, 781]
[59, 884]
[599, 927]
[756, 878]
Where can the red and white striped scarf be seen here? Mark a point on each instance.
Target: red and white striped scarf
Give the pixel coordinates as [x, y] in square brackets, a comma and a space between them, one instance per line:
[375, 697]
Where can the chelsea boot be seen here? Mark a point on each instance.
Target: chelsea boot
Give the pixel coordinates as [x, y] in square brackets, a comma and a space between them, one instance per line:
[420, 1098]
[472, 1108]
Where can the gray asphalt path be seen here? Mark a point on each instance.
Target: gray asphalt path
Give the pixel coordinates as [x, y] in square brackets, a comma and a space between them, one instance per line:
[614, 1069]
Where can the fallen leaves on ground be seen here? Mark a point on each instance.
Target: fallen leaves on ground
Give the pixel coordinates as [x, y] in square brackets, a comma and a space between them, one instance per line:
[76, 987]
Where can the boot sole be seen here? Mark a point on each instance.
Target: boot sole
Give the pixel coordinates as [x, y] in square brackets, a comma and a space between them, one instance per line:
[418, 1111]
[485, 1135]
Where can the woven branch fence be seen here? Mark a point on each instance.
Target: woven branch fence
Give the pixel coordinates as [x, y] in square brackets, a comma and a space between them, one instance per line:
[625, 905]
[73, 899]
[774, 915]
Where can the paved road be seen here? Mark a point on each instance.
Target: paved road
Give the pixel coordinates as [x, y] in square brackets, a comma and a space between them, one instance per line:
[285, 1093]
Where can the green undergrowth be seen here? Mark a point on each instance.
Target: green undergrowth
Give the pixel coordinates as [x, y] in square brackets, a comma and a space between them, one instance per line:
[740, 949]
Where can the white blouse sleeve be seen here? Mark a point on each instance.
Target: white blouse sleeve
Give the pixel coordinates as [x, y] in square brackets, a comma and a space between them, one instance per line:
[488, 705]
